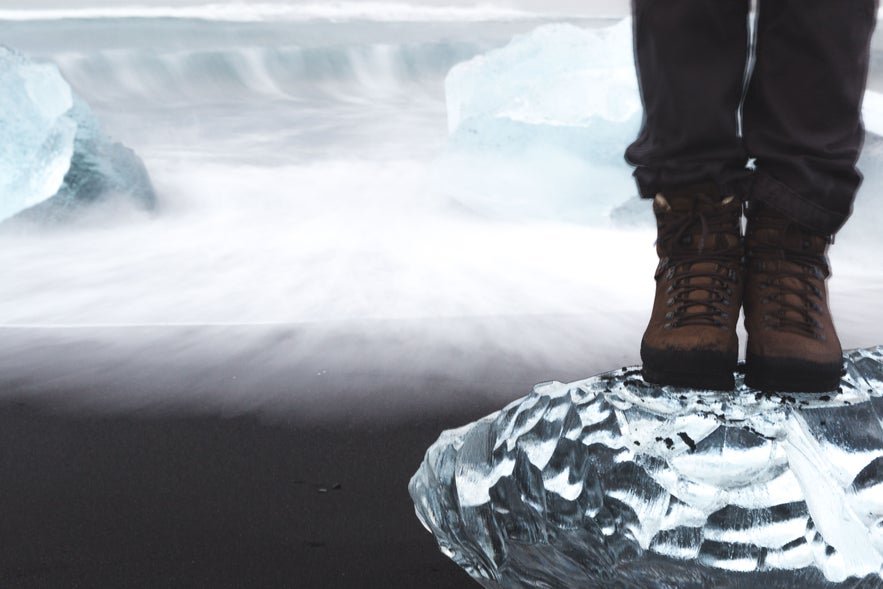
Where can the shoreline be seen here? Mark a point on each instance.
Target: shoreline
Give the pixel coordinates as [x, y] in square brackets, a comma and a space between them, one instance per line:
[133, 457]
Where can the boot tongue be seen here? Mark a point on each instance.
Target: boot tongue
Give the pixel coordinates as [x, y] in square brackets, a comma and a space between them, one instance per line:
[696, 204]
[704, 198]
[783, 239]
[685, 198]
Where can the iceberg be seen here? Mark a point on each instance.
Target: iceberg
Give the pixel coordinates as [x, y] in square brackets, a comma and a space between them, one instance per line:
[538, 128]
[559, 79]
[53, 155]
[613, 482]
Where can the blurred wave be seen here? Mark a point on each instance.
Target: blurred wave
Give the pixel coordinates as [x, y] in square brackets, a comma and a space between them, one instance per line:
[260, 12]
[296, 166]
[346, 73]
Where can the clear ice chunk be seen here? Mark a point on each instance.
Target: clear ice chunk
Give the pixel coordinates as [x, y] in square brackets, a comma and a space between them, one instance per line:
[538, 129]
[37, 135]
[613, 482]
[556, 76]
[536, 124]
[53, 155]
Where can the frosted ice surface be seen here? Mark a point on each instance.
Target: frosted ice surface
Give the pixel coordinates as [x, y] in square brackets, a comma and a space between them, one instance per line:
[36, 133]
[53, 155]
[558, 75]
[612, 482]
[538, 128]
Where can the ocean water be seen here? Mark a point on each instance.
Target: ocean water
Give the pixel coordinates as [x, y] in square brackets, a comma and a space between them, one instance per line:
[295, 163]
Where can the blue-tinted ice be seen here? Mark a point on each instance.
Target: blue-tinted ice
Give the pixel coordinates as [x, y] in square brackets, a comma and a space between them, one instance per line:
[53, 155]
[612, 482]
[538, 129]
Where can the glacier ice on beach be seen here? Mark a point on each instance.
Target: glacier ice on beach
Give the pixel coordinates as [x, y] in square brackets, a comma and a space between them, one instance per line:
[53, 155]
[610, 481]
[538, 127]
[37, 134]
[557, 77]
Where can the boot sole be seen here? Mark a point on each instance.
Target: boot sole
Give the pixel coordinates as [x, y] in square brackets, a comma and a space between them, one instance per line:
[698, 369]
[787, 375]
[690, 380]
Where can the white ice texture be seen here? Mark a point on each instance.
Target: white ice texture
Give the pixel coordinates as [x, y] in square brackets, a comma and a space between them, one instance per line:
[558, 75]
[36, 132]
[538, 123]
[51, 146]
[538, 128]
[611, 482]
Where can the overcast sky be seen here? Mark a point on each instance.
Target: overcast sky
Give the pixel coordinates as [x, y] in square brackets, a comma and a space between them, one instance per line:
[604, 7]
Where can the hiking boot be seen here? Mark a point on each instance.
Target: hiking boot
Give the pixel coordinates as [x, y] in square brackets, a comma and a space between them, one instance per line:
[792, 344]
[691, 338]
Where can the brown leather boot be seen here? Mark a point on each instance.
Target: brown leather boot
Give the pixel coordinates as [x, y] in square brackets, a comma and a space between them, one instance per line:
[792, 344]
[691, 338]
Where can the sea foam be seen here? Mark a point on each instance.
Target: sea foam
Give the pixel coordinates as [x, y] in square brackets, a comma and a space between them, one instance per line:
[261, 12]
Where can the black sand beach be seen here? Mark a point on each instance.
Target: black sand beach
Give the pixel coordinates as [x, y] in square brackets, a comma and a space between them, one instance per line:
[241, 456]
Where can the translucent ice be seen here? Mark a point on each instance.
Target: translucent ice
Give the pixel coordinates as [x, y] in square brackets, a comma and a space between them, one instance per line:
[539, 127]
[53, 155]
[611, 482]
[37, 140]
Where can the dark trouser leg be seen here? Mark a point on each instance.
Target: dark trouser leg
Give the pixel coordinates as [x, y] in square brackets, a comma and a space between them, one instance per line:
[802, 113]
[690, 57]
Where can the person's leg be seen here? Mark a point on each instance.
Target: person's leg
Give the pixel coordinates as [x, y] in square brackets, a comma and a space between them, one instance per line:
[802, 112]
[802, 123]
[690, 57]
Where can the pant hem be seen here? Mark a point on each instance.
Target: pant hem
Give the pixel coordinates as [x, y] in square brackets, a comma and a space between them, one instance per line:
[801, 210]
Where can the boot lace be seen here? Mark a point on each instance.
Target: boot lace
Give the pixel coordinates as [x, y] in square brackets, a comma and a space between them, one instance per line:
[692, 269]
[797, 302]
